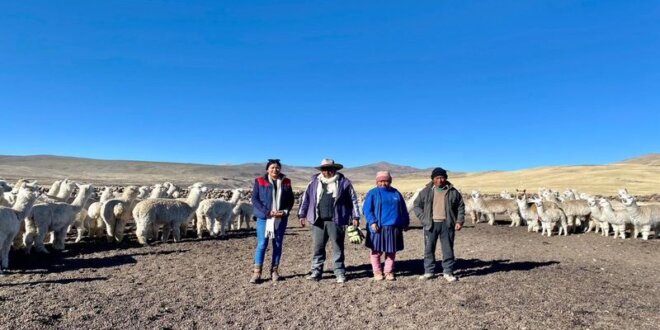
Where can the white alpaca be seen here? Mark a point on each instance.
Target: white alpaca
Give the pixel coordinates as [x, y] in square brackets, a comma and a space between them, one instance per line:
[550, 216]
[90, 220]
[11, 220]
[617, 218]
[505, 194]
[410, 204]
[597, 220]
[56, 217]
[214, 212]
[527, 210]
[172, 190]
[158, 191]
[54, 188]
[170, 213]
[575, 210]
[495, 206]
[143, 192]
[243, 211]
[644, 218]
[117, 212]
[5, 188]
[65, 191]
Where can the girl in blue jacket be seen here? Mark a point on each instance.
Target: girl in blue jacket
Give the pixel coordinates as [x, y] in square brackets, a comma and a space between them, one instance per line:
[387, 218]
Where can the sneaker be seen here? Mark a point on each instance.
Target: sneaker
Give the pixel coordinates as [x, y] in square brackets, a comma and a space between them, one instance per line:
[450, 277]
[390, 277]
[341, 278]
[314, 277]
[378, 276]
[426, 276]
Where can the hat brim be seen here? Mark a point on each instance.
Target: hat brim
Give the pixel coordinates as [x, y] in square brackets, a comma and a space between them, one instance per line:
[335, 167]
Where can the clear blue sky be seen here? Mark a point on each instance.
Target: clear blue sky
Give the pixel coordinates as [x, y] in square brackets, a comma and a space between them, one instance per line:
[467, 85]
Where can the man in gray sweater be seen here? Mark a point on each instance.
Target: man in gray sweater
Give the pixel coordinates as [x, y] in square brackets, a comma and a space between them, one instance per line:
[440, 208]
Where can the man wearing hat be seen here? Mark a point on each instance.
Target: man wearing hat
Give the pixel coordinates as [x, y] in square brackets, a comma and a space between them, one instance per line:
[440, 208]
[329, 204]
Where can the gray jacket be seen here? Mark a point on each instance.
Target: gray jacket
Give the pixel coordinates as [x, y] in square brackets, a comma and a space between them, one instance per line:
[423, 206]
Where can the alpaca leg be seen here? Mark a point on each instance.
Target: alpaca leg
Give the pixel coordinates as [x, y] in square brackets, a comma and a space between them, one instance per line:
[166, 233]
[81, 231]
[5, 244]
[110, 229]
[622, 231]
[491, 219]
[635, 231]
[60, 235]
[646, 231]
[176, 231]
[28, 239]
[200, 226]
[40, 238]
[141, 232]
[120, 225]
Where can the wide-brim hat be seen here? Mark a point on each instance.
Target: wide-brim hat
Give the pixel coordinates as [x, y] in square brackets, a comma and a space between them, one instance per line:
[329, 164]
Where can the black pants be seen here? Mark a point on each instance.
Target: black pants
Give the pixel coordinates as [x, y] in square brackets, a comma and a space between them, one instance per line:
[439, 230]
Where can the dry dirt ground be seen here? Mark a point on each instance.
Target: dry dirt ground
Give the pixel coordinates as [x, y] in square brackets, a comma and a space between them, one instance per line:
[508, 279]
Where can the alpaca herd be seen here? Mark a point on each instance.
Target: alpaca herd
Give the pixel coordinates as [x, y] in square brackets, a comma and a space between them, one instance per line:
[29, 213]
[569, 212]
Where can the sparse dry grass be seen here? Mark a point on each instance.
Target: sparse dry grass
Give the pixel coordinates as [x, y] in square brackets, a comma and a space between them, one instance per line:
[602, 180]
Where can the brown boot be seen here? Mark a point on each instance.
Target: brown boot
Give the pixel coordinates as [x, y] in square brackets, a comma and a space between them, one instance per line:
[256, 276]
[274, 274]
[389, 277]
[378, 276]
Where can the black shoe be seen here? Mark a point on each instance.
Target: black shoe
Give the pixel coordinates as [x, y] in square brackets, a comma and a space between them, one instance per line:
[313, 277]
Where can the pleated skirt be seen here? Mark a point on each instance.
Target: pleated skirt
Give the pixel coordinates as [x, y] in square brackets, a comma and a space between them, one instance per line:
[388, 240]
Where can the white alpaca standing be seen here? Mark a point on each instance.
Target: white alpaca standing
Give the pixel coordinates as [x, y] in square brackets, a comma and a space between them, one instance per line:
[56, 217]
[644, 218]
[170, 213]
[597, 220]
[172, 190]
[143, 192]
[54, 188]
[410, 204]
[90, 221]
[117, 212]
[527, 210]
[5, 188]
[214, 212]
[617, 218]
[158, 191]
[575, 210]
[64, 193]
[495, 206]
[243, 211]
[550, 216]
[11, 220]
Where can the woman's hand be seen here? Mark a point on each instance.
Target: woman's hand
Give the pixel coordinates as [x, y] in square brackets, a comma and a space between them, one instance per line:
[374, 228]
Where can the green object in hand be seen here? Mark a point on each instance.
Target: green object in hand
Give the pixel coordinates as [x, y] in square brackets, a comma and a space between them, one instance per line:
[355, 235]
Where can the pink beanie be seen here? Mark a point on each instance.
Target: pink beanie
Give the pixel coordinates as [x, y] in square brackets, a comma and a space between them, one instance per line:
[383, 176]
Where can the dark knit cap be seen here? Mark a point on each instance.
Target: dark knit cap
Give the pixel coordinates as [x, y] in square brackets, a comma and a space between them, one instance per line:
[438, 171]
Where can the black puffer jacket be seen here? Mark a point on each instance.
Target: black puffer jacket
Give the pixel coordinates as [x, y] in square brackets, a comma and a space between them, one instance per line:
[423, 206]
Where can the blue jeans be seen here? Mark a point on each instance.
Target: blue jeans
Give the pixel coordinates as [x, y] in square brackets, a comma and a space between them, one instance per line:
[262, 243]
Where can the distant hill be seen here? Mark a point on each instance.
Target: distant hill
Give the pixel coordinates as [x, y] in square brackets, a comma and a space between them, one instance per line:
[47, 168]
[640, 175]
[650, 159]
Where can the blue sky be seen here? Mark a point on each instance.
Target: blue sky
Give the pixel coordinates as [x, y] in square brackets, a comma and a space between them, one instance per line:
[467, 85]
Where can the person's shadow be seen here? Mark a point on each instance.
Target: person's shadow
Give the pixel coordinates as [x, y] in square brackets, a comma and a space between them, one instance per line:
[464, 267]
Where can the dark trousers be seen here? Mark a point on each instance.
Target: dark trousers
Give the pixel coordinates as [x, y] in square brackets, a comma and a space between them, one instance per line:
[321, 232]
[445, 233]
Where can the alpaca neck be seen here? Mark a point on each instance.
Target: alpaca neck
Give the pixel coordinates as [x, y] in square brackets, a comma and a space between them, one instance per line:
[23, 206]
[234, 197]
[80, 200]
[54, 189]
[194, 197]
[634, 210]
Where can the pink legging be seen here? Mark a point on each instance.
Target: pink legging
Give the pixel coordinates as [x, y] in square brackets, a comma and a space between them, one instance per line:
[389, 261]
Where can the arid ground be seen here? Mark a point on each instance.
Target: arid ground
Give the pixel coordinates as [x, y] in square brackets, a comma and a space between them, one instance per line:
[509, 278]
